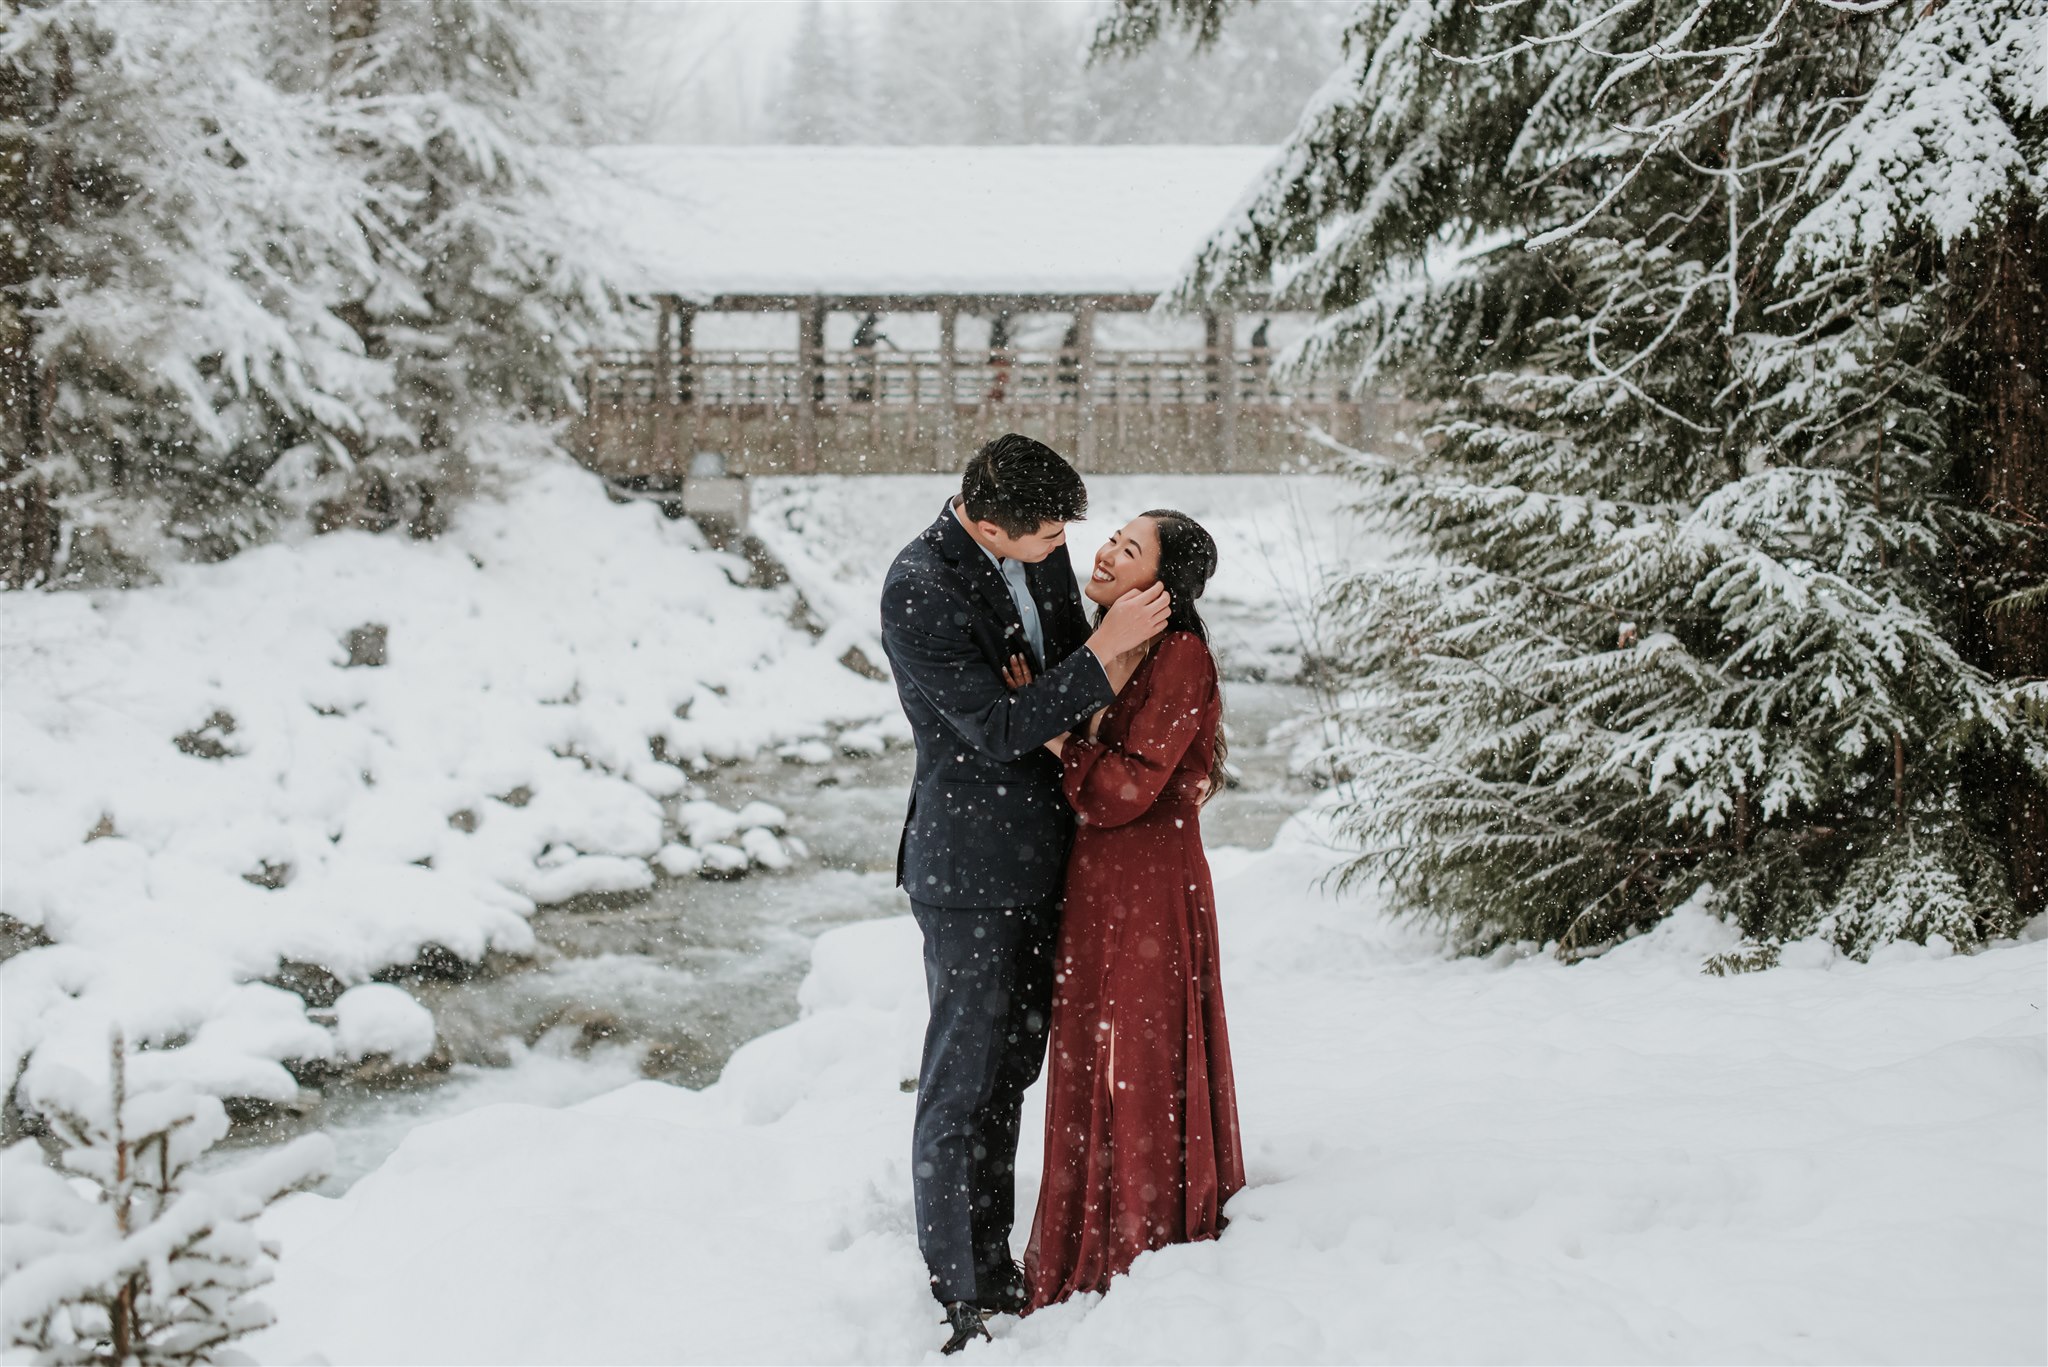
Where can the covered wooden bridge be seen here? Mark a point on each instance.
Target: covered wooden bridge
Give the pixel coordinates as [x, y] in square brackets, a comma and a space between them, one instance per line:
[854, 309]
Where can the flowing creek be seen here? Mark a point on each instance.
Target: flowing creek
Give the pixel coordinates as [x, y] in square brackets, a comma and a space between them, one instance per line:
[666, 984]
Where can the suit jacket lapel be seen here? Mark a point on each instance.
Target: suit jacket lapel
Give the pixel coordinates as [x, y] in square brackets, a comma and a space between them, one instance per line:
[981, 574]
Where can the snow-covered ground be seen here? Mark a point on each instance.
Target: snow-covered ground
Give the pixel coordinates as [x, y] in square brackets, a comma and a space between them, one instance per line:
[198, 786]
[1510, 1160]
[1503, 1161]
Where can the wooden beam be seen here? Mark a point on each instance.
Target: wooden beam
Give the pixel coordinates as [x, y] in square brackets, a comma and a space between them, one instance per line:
[664, 353]
[1220, 337]
[810, 343]
[686, 341]
[949, 329]
[1084, 384]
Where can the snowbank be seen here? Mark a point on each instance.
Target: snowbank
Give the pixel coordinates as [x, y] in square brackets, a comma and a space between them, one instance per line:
[343, 751]
[1510, 1160]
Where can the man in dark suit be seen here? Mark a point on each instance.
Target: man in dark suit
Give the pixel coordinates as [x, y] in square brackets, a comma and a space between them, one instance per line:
[984, 848]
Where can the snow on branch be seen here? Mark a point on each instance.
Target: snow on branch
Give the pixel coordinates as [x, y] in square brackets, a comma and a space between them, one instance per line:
[1941, 140]
[120, 1253]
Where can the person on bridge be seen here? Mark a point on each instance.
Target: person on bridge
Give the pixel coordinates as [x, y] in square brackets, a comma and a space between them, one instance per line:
[867, 335]
[986, 589]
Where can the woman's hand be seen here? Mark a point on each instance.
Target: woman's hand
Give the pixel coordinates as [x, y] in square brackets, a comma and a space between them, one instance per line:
[1058, 746]
[1017, 672]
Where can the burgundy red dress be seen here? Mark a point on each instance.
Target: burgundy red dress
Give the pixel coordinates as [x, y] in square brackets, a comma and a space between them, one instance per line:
[1141, 1138]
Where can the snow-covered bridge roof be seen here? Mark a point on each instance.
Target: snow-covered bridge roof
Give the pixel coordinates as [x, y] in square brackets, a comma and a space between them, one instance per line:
[778, 221]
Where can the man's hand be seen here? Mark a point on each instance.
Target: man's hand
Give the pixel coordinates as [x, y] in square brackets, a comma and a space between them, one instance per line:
[1131, 621]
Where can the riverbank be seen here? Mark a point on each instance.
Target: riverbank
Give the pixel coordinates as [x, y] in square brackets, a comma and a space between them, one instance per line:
[1450, 1160]
[234, 797]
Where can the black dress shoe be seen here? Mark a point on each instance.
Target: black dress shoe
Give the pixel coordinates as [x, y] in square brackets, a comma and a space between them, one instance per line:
[1003, 1291]
[964, 1319]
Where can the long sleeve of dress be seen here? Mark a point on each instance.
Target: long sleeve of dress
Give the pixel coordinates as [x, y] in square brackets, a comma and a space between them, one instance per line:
[1114, 784]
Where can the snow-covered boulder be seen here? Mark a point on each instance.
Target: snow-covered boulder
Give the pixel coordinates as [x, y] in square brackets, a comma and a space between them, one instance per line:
[377, 1018]
[766, 814]
[806, 752]
[764, 849]
[724, 861]
[705, 823]
[678, 861]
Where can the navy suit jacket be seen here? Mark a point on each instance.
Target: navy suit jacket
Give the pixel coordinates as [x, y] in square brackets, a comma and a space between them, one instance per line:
[987, 825]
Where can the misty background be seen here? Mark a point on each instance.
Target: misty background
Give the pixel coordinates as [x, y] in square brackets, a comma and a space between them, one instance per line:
[945, 72]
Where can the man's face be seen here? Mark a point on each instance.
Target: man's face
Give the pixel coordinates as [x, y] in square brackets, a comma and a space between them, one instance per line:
[1030, 549]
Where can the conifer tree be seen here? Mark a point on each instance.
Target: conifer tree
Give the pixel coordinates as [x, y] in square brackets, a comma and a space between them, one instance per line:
[258, 262]
[485, 286]
[177, 233]
[1729, 523]
[122, 1254]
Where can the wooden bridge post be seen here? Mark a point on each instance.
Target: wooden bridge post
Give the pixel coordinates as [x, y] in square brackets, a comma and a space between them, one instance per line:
[1084, 387]
[686, 342]
[949, 327]
[660, 443]
[810, 346]
[664, 348]
[686, 415]
[1220, 336]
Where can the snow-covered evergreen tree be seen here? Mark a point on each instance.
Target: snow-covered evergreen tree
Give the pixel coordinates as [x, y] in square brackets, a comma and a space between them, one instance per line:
[257, 261]
[486, 285]
[180, 230]
[1730, 316]
[121, 1254]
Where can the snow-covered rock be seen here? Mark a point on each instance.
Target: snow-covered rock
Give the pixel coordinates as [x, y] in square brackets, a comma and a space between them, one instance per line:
[724, 861]
[584, 875]
[806, 752]
[863, 740]
[763, 814]
[657, 779]
[377, 1018]
[704, 823]
[678, 861]
[764, 849]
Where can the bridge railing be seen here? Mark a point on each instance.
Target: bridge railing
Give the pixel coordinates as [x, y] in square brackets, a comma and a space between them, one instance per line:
[882, 409]
[778, 378]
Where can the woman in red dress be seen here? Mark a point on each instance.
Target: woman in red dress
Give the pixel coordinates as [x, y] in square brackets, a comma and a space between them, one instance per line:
[1141, 1138]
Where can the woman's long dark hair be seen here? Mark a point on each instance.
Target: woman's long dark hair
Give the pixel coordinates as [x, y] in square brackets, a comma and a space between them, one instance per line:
[1187, 557]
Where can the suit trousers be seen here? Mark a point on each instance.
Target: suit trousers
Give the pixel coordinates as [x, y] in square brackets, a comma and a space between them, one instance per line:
[989, 974]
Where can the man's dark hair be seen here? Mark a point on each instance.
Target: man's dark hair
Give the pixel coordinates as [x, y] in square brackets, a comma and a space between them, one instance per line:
[1020, 484]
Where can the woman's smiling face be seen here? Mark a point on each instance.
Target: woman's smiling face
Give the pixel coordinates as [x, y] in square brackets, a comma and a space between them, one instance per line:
[1128, 560]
